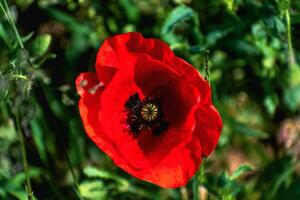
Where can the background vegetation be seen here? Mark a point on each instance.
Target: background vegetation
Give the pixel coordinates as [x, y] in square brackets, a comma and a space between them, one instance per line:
[254, 48]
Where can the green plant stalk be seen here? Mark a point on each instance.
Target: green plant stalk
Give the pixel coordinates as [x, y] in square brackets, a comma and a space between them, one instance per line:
[20, 42]
[24, 158]
[76, 190]
[18, 125]
[196, 186]
[291, 56]
[63, 144]
[6, 11]
[207, 68]
[198, 180]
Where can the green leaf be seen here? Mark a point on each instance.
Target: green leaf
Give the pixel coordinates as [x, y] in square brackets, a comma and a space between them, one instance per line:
[92, 189]
[76, 149]
[78, 30]
[292, 192]
[228, 197]
[213, 36]
[40, 45]
[250, 132]
[292, 98]
[24, 4]
[224, 179]
[69, 21]
[7, 132]
[131, 10]
[240, 171]
[4, 35]
[179, 14]
[27, 37]
[18, 194]
[295, 19]
[293, 76]
[94, 172]
[45, 58]
[271, 102]
[229, 4]
[37, 134]
[20, 178]
[197, 49]
[283, 5]
[276, 176]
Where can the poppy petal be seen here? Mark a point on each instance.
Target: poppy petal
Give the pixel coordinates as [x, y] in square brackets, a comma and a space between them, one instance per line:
[161, 51]
[193, 76]
[137, 152]
[117, 49]
[208, 128]
[176, 168]
[89, 109]
[176, 95]
[114, 50]
[173, 171]
[85, 83]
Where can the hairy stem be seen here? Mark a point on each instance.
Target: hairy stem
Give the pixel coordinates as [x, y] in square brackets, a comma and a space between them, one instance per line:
[291, 56]
[198, 182]
[61, 140]
[7, 13]
[196, 187]
[207, 69]
[24, 158]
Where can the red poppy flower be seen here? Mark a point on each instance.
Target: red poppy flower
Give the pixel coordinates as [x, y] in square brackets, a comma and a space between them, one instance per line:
[148, 110]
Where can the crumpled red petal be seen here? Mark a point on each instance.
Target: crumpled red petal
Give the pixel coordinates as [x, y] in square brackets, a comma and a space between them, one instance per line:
[208, 128]
[85, 82]
[176, 168]
[115, 54]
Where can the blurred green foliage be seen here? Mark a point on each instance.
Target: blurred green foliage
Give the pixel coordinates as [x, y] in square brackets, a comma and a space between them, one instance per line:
[254, 51]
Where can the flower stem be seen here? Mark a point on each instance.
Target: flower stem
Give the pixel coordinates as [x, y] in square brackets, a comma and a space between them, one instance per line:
[24, 158]
[291, 55]
[6, 11]
[198, 181]
[207, 69]
[60, 138]
[196, 187]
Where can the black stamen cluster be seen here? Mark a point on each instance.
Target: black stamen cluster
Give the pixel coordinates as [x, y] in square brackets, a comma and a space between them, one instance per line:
[137, 123]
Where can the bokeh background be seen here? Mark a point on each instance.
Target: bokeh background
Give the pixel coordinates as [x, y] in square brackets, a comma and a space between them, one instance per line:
[251, 47]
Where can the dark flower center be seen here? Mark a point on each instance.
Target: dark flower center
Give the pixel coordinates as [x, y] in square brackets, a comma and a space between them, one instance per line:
[145, 114]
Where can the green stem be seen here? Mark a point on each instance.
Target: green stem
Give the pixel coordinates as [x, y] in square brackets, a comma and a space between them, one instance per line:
[196, 187]
[7, 13]
[76, 189]
[64, 148]
[207, 69]
[24, 158]
[9, 18]
[198, 180]
[289, 39]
